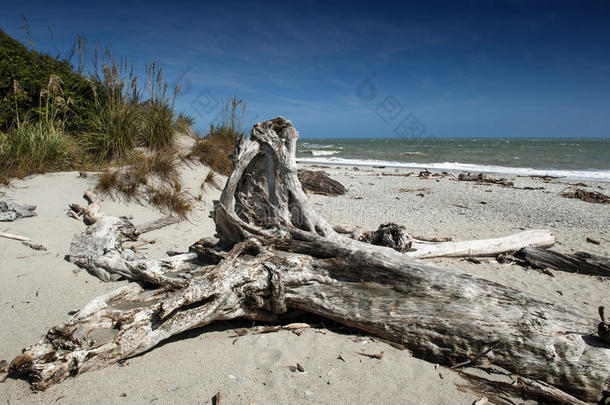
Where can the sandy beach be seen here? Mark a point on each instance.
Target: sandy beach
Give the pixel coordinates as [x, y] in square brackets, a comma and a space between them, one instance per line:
[39, 289]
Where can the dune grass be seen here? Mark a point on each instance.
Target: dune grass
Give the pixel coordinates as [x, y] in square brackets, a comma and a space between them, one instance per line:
[38, 146]
[152, 176]
[171, 199]
[35, 148]
[219, 143]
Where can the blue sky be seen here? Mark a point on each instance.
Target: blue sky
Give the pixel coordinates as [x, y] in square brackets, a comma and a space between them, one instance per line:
[477, 68]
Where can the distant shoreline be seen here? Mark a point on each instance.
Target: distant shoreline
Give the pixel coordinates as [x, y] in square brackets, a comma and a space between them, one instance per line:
[596, 175]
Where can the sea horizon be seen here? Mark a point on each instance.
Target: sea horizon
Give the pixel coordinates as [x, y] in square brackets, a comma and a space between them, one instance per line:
[576, 158]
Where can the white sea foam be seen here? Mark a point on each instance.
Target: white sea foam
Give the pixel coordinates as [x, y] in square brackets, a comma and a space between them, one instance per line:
[315, 152]
[601, 175]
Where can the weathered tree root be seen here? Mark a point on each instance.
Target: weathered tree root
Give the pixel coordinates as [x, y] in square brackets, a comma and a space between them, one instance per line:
[11, 211]
[279, 254]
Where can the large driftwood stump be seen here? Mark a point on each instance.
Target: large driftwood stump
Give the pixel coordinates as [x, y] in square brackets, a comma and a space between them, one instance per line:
[276, 253]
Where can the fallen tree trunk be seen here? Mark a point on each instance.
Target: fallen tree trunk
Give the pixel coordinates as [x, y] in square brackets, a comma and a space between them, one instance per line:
[579, 262]
[483, 247]
[279, 254]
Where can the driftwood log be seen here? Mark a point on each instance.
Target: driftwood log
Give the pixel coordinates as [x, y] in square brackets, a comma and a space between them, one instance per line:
[579, 262]
[276, 253]
[11, 211]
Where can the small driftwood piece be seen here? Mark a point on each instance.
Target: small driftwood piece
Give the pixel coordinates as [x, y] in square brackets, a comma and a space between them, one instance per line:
[77, 209]
[93, 212]
[158, 224]
[319, 182]
[523, 388]
[281, 255]
[579, 262]
[11, 211]
[14, 237]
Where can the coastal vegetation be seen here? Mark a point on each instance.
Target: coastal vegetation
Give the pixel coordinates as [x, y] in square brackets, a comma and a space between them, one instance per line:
[216, 146]
[97, 115]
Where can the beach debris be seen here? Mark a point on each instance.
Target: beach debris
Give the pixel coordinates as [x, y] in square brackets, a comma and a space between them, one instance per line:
[589, 196]
[579, 262]
[257, 330]
[424, 190]
[424, 173]
[481, 178]
[603, 330]
[340, 357]
[427, 239]
[319, 182]
[3, 366]
[593, 241]
[281, 255]
[217, 399]
[482, 401]
[300, 368]
[377, 356]
[390, 235]
[397, 174]
[35, 246]
[11, 211]
[473, 260]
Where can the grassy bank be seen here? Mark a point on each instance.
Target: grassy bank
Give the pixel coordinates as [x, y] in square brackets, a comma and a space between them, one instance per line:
[54, 117]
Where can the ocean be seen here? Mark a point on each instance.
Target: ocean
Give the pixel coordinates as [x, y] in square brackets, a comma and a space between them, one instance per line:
[587, 159]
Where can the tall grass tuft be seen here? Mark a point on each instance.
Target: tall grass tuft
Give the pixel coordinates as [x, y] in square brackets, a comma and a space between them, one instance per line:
[113, 130]
[183, 124]
[35, 148]
[42, 145]
[158, 112]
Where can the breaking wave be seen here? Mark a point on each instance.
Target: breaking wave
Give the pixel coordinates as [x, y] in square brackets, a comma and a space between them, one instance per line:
[600, 175]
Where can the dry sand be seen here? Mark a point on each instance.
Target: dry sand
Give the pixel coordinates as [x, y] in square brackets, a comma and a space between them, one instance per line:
[39, 289]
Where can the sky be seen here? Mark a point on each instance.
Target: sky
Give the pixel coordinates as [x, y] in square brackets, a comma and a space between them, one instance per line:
[361, 69]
